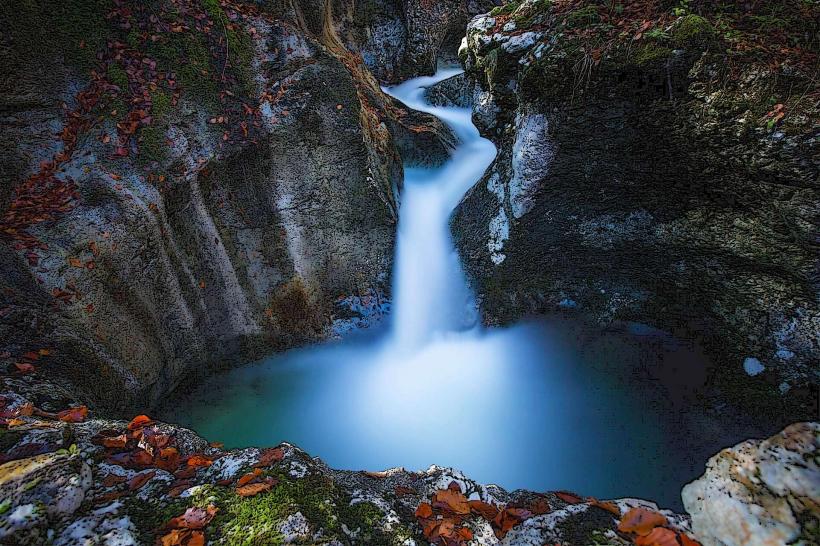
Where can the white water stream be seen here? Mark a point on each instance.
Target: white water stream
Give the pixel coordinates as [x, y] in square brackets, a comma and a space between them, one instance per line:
[541, 405]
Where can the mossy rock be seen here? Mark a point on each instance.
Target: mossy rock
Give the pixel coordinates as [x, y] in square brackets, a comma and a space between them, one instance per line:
[692, 30]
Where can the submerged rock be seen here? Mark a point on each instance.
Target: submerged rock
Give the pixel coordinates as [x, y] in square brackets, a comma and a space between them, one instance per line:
[760, 493]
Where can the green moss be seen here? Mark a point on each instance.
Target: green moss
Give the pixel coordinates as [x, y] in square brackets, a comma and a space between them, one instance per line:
[188, 55]
[45, 28]
[133, 38]
[117, 76]
[692, 28]
[506, 9]
[650, 53]
[583, 17]
[149, 516]
[152, 138]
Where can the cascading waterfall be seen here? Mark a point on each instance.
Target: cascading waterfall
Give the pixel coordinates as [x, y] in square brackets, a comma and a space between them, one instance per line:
[430, 293]
[545, 405]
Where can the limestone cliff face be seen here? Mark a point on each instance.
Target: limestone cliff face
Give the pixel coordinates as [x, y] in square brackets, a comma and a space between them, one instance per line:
[227, 171]
[643, 185]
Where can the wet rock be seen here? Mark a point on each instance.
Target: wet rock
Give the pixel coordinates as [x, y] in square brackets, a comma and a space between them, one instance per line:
[454, 91]
[760, 493]
[39, 491]
[639, 194]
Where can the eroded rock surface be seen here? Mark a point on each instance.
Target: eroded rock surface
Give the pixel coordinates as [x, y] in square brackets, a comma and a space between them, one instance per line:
[639, 180]
[760, 493]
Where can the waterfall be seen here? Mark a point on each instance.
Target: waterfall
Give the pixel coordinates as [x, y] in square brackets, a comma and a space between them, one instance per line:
[430, 293]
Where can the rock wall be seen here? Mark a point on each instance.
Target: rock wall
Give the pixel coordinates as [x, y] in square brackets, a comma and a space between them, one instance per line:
[644, 183]
[187, 184]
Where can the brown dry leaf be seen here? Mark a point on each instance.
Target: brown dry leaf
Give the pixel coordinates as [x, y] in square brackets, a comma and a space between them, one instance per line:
[641, 521]
[659, 536]
[113, 479]
[193, 518]
[540, 507]
[424, 510]
[507, 519]
[115, 441]
[402, 491]
[484, 509]
[452, 501]
[73, 415]
[25, 367]
[568, 497]
[610, 507]
[140, 480]
[75, 262]
[270, 456]
[167, 459]
[252, 489]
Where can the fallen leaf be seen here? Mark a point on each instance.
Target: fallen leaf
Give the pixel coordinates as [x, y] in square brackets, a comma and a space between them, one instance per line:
[507, 519]
[115, 441]
[606, 505]
[640, 521]
[139, 421]
[250, 476]
[193, 518]
[140, 480]
[424, 510]
[659, 536]
[686, 541]
[252, 489]
[569, 498]
[25, 367]
[73, 415]
[270, 456]
[484, 509]
[113, 479]
[452, 501]
[198, 461]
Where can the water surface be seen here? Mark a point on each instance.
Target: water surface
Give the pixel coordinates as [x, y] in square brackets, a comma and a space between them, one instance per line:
[554, 404]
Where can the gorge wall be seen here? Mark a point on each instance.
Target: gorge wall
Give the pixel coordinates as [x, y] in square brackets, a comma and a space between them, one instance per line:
[188, 183]
[650, 176]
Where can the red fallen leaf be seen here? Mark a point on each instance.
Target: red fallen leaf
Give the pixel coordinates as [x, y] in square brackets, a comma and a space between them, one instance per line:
[199, 461]
[193, 518]
[140, 480]
[115, 441]
[569, 498]
[167, 459]
[155, 439]
[402, 491]
[225, 482]
[269, 456]
[139, 421]
[202, 283]
[89, 308]
[120, 151]
[484, 509]
[113, 479]
[641, 521]
[424, 510]
[451, 501]
[250, 476]
[540, 507]
[179, 486]
[31, 355]
[24, 367]
[465, 534]
[507, 519]
[252, 489]
[606, 505]
[73, 415]
[183, 537]
[659, 536]
[185, 473]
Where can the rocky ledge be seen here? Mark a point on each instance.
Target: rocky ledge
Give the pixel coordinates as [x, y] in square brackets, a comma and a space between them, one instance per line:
[72, 480]
[658, 166]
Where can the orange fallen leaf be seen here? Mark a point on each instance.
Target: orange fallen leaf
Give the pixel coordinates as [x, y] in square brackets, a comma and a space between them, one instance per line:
[199, 461]
[75, 262]
[115, 441]
[610, 507]
[424, 510]
[252, 489]
[139, 421]
[167, 459]
[569, 498]
[659, 536]
[686, 541]
[452, 501]
[73, 415]
[641, 521]
[250, 476]
[44, 352]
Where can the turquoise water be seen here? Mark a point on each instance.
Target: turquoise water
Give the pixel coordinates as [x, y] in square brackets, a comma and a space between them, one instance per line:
[554, 404]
